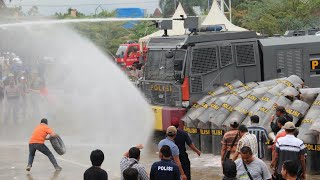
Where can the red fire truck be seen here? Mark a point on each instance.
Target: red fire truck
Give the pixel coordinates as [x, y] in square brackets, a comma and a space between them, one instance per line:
[129, 53]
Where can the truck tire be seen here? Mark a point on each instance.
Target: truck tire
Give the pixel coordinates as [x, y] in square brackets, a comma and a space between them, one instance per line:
[58, 145]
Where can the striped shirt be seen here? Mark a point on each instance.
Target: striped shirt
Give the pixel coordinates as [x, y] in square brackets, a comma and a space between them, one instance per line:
[289, 148]
[228, 138]
[249, 140]
[261, 135]
[126, 162]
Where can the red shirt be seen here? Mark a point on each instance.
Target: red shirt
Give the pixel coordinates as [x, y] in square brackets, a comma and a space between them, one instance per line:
[282, 134]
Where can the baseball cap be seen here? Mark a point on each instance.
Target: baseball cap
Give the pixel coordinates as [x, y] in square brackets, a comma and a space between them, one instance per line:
[289, 125]
[171, 130]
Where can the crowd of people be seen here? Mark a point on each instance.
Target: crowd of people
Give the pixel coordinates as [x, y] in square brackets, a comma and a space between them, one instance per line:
[242, 153]
[22, 89]
[288, 152]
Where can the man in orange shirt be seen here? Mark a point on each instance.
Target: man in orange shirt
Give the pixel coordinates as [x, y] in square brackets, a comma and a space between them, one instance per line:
[36, 142]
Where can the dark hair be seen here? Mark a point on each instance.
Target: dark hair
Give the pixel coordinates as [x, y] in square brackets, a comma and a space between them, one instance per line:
[234, 125]
[282, 120]
[97, 157]
[296, 132]
[243, 128]
[166, 151]
[44, 120]
[254, 119]
[291, 167]
[281, 109]
[134, 153]
[291, 131]
[229, 168]
[246, 150]
[130, 174]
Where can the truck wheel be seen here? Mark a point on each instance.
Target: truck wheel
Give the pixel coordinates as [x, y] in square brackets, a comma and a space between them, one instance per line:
[58, 145]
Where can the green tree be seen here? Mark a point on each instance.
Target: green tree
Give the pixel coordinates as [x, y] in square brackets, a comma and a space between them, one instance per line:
[276, 16]
[109, 35]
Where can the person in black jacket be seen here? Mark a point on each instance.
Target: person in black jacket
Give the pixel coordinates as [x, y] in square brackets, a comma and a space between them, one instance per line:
[181, 140]
[165, 169]
[95, 172]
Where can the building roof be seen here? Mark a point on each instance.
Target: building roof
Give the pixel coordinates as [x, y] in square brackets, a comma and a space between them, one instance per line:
[217, 17]
[157, 13]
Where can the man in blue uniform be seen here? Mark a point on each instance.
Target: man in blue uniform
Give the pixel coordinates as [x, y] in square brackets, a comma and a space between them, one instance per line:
[169, 141]
[165, 169]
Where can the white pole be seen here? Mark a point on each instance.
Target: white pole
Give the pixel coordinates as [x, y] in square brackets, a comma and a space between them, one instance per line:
[230, 9]
[222, 6]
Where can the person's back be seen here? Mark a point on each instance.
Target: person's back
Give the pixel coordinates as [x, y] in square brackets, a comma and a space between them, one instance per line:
[260, 133]
[251, 141]
[165, 169]
[131, 160]
[95, 172]
[39, 134]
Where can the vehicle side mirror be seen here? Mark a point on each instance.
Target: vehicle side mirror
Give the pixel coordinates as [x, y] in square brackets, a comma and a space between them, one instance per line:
[169, 54]
[177, 65]
[177, 77]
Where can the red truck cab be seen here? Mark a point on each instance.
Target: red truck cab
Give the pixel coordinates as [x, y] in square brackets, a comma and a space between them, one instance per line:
[128, 54]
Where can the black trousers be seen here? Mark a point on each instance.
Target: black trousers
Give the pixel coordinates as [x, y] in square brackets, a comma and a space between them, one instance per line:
[185, 162]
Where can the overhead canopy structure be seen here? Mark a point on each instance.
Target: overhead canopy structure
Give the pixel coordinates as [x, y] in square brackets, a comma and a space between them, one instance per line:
[177, 26]
[216, 17]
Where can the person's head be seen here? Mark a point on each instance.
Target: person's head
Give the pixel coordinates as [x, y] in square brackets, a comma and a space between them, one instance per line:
[290, 128]
[289, 169]
[234, 125]
[254, 119]
[175, 122]
[134, 152]
[242, 130]
[130, 174]
[171, 131]
[280, 111]
[44, 121]
[229, 168]
[165, 152]
[246, 154]
[96, 157]
[281, 121]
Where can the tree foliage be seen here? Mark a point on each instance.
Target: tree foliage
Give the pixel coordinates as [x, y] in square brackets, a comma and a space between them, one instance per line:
[277, 16]
[109, 35]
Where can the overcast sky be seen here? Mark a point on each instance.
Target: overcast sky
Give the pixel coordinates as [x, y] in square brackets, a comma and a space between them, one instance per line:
[49, 7]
